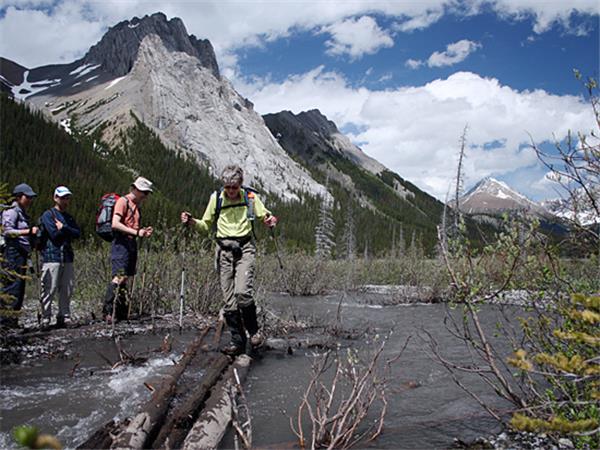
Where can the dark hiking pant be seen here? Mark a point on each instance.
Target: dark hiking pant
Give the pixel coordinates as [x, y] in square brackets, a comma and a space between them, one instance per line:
[13, 283]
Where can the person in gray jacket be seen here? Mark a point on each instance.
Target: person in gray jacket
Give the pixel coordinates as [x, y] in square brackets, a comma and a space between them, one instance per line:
[59, 230]
[18, 234]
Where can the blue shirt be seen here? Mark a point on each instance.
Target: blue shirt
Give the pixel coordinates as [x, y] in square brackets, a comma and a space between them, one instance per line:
[58, 242]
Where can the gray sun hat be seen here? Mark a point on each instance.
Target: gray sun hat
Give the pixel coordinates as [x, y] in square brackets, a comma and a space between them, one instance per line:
[232, 175]
[143, 184]
[24, 189]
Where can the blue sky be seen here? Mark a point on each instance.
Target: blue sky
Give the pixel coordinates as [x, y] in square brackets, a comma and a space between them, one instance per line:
[401, 78]
[510, 52]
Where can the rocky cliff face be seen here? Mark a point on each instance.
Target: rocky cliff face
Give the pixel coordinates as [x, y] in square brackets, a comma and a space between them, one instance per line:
[192, 110]
[310, 135]
[118, 49]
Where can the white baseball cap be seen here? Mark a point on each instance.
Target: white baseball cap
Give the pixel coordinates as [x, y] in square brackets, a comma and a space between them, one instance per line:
[62, 191]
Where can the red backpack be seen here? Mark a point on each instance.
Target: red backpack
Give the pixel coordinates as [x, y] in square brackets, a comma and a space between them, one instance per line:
[104, 216]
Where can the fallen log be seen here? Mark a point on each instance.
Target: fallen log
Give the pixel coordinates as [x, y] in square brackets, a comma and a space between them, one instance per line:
[295, 343]
[102, 437]
[209, 429]
[182, 418]
[143, 427]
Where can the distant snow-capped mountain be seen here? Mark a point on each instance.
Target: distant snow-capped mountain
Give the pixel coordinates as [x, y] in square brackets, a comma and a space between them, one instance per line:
[578, 208]
[494, 196]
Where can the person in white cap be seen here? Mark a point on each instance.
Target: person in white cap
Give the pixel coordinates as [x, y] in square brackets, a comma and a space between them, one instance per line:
[126, 225]
[59, 230]
[18, 233]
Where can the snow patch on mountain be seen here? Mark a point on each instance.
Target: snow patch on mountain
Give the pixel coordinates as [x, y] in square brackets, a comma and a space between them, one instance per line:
[84, 69]
[577, 208]
[28, 88]
[113, 82]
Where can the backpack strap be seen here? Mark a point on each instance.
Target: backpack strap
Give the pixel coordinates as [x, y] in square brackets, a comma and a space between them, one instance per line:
[249, 196]
[218, 207]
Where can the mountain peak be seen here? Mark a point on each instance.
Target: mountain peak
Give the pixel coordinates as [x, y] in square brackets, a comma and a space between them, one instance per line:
[490, 195]
[117, 51]
[318, 122]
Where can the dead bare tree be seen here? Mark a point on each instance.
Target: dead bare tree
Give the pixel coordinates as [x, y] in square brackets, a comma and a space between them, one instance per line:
[336, 411]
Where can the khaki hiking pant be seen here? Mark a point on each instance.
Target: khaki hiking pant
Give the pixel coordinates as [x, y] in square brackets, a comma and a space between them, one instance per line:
[57, 277]
[236, 263]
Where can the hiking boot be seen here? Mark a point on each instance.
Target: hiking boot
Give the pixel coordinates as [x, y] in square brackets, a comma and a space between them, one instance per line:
[63, 321]
[257, 339]
[232, 349]
[251, 324]
[45, 324]
[237, 346]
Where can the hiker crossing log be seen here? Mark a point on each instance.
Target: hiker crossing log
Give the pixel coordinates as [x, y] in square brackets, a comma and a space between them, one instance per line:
[143, 427]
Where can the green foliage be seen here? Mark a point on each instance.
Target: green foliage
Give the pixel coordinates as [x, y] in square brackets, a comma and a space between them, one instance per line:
[37, 151]
[567, 358]
[556, 424]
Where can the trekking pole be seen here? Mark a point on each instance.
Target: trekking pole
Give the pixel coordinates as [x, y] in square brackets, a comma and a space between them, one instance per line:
[182, 288]
[283, 274]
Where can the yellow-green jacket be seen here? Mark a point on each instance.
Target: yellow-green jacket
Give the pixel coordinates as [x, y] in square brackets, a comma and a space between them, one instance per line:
[233, 221]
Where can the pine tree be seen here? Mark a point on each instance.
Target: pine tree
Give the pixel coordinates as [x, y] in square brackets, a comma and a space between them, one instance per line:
[350, 234]
[324, 234]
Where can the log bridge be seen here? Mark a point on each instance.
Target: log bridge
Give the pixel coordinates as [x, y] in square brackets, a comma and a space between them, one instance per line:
[192, 407]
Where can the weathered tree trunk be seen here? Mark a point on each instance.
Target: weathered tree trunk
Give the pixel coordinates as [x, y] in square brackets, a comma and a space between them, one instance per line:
[182, 418]
[101, 438]
[140, 431]
[209, 429]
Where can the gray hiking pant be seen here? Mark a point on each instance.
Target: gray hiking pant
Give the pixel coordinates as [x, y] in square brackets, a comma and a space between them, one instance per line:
[237, 261]
[57, 277]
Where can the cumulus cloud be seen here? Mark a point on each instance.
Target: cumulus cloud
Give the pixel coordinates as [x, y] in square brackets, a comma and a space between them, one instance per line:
[234, 25]
[356, 37]
[414, 130]
[545, 14]
[413, 63]
[44, 38]
[454, 53]
[419, 21]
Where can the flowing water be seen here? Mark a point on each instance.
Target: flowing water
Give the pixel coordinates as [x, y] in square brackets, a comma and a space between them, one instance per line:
[73, 397]
[426, 409]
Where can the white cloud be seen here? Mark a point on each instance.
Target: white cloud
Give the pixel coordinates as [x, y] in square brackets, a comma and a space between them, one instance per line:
[232, 25]
[420, 21]
[356, 37]
[43, 38]
[454, 53]
[415, 130]
[413, 63]
[545, 14]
